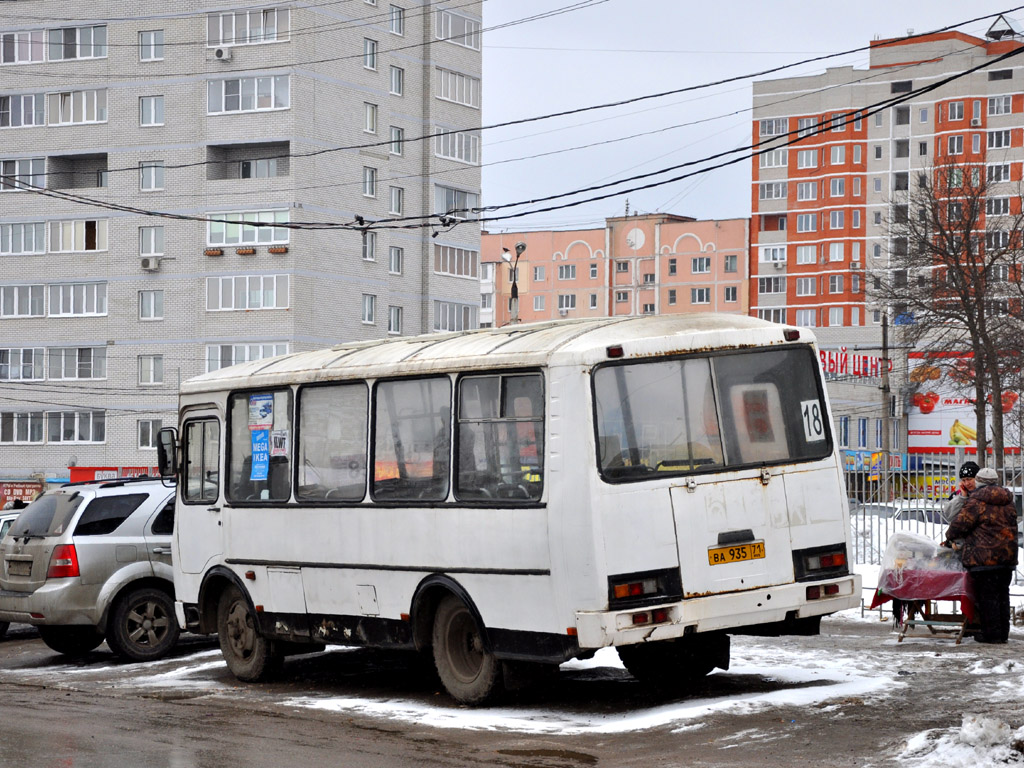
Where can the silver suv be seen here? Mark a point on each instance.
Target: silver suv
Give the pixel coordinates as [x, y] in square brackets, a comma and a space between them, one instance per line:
[90, 561]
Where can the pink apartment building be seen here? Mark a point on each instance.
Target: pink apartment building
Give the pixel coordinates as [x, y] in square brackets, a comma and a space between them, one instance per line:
[655, 263]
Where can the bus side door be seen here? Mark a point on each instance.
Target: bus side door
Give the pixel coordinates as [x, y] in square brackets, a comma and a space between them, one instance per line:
[199, 535]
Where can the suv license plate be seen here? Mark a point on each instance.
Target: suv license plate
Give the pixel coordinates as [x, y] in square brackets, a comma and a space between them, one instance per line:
[19, 567]
[737, 553]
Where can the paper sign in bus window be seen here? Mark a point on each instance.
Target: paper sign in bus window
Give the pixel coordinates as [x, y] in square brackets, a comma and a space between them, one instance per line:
[279, 442]
[260, 454]
[758, 422]
[261, 411]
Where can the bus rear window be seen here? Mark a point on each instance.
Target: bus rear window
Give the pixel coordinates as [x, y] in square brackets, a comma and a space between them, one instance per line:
[706, 413]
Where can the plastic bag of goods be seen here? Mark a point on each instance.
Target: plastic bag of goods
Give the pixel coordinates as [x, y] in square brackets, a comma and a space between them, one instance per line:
[907, 553]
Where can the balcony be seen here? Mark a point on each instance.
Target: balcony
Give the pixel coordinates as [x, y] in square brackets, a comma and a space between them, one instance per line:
[77, 171]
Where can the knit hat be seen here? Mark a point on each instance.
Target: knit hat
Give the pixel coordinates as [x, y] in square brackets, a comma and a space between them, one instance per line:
[968, 469]
[987, 476]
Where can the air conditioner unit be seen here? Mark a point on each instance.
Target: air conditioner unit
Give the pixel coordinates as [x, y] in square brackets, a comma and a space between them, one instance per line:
[151, 263]
[780, 264]
[563, 312]
[222, 54]
[975, 122]
[854, 265]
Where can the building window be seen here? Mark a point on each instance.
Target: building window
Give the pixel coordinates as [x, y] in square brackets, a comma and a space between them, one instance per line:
[22, 364]
[538, 274]
[22, 239]
[76, 427]
[397, 146]
[457, 203]
[369, 53]
[151, 110]
[622, 266]
[671, 295]
[999, 139]
[901, 86]
[955, 145]
[837, 187]
[807, 190]
[247, 228]
[396, 200]
[806, 126]
[147, 433]
[369, 117]
[78, 107]
[806, 286]
[862, 433]
[647, 309]
[151, 241]
[731, 293]
[806, 222]
[566, 301]
[835, 283]
[396, 257]
[151, 176]
[844, 431]
[566, 271]
[151, 305]
[835, 316]
[806, 318]
[21, 301]
[461, 262]
[397, 81]
[458, 88]
[593, 301]
[772, 315]
[22, 110]
[21, 427]
[223, 355]
[767, 285]
[538, 303]
[17, 175]
[807, 158]
[261, 168]
[700, 265]
[621, 297]
[836, 219]
[457, 29]
[730, 262]
[395, 320]
[369, 308]
[997, 206]
[457, 145]
[772, 190]
[836, 251]
[151, 369]
[775, 126]
[250, 27]
[838, 155]
[902, 116]
[369, 246]
[773, 158]
[369, 182]
[77, 43]
[78, 299]
[78, 363]
[773, 253]
[700, 295]
[21, 47]
[452, 316]
[1000, 105]
[671, 267]
[245, 292]
[151, 45]
[248, 94]
[397, 20]
[806, 254]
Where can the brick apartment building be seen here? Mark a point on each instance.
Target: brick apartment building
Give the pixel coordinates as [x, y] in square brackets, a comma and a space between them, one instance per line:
[821, 206]
[259, 118]
[639, 264]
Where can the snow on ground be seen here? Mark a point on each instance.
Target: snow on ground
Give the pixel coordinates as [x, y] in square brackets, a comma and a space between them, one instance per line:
[980, 741]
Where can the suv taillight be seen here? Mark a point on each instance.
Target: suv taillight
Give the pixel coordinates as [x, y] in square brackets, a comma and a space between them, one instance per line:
[63, 562]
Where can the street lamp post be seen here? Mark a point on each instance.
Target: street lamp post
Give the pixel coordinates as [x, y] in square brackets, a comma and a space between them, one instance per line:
[507, 258]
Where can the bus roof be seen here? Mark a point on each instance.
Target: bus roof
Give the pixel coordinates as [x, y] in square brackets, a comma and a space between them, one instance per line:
[559, 342]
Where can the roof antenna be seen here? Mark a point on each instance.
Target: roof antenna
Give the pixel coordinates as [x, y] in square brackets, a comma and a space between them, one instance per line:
[627, 207]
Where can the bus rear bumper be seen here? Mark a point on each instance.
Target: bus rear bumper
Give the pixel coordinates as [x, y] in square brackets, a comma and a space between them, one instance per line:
[740, 612]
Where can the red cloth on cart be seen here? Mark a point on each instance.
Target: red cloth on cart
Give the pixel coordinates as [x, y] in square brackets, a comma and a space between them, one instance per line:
[926, 585]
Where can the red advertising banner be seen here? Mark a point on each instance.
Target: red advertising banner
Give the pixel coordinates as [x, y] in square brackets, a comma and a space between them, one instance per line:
[25, 491]
[87, 474]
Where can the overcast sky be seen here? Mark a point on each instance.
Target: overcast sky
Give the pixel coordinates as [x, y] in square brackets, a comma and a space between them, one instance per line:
[612, 50]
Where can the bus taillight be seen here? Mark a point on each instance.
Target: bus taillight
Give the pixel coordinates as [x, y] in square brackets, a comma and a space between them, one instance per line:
[636, 589]
[633, 590]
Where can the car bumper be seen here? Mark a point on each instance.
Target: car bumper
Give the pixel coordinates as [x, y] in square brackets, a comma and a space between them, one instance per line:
[724, 612]
[58, 602]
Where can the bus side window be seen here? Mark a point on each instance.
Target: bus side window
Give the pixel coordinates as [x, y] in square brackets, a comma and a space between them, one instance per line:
[202, 457]
[332, 443]
[261, 436]
[500, 438]
[412, 439]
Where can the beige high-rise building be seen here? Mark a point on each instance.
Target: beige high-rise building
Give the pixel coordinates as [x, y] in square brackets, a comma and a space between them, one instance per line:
[256, 130]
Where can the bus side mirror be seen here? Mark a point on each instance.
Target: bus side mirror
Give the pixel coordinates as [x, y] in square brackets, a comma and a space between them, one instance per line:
[167, 452]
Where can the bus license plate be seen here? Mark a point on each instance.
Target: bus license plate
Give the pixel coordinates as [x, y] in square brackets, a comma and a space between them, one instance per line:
[737, 553]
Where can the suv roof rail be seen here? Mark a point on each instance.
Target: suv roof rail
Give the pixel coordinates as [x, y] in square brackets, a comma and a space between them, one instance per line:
[114, 482]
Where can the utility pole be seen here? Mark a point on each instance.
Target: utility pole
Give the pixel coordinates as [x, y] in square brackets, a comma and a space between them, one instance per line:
[886, 401]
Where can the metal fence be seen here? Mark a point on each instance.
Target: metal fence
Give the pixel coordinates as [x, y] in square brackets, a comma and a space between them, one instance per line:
[906, 493]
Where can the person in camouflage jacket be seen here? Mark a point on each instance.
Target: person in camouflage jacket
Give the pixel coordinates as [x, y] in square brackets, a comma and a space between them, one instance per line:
[987, 523]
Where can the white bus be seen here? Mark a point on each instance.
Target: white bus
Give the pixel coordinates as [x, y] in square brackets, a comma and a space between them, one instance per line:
[512, 498]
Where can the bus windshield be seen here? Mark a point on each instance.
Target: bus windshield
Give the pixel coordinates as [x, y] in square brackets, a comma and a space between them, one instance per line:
[699, 414]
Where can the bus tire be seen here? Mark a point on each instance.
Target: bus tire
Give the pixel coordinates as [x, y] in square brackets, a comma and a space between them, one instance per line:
[468, 671]
[249, 655]
[676, 663]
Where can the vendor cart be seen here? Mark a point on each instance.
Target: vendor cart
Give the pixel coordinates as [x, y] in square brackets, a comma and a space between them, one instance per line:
[917, 572]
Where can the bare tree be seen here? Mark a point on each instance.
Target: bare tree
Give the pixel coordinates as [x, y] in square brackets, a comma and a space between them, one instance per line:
[953, 279]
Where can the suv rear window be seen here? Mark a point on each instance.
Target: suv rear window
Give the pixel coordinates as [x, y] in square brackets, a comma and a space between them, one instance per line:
[105, 513]
[47, 516]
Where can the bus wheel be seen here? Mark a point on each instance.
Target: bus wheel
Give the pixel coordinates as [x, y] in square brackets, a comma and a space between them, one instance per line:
[673, 663]
[468, 671]
[250, 656]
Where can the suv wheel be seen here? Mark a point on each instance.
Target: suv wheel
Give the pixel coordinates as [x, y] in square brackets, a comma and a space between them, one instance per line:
[71, 641]
[143, 626]
[4, 626]
[250, 656]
